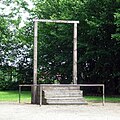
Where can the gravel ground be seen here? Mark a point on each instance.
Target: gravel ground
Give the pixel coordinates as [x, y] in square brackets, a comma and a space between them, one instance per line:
[14, 111]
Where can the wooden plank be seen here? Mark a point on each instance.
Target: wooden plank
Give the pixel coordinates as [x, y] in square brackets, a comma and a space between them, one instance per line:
[19, 93]
[40, 95]
[28, 85]
[75, 54]
[35, 53]
[92, 85]
[56, 21]
[61, 85]
[34, 88]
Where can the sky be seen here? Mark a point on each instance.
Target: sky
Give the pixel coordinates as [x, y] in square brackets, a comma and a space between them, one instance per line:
[24, 14]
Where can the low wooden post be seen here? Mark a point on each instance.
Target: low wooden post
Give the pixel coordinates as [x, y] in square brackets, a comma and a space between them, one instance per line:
[103, 95]
[19, 93]
[40, 95]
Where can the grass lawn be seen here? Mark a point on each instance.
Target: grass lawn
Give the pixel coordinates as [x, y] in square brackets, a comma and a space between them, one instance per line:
[13, 96]
[99, 98]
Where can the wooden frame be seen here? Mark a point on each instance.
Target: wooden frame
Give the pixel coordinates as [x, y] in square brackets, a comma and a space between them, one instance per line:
[63, 85]
[74, 46]
[35, 50]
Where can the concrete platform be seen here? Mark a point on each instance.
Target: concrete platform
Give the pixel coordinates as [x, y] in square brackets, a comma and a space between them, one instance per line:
[62, 95]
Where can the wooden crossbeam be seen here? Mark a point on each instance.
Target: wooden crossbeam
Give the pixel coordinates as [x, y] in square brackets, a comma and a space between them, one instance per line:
[56, 21]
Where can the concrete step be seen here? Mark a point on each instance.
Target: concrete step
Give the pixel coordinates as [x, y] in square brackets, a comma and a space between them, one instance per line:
[66, 100]
[62, 93]
[61, 88]
[67, 103]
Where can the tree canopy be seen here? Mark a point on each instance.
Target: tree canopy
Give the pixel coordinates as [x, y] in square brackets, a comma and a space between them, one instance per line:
[98, 41]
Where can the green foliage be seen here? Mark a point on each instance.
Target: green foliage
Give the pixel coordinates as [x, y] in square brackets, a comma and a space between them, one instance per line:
[8, 78]
[117, 23]
[97, 51]
[14, 49]
[98, 42]
[55, 40]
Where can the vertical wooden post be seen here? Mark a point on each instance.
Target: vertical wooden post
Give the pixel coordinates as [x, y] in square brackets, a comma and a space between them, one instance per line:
[34, 90]
[19, 93]
[40, 86]
[35, 53]
[75, 55]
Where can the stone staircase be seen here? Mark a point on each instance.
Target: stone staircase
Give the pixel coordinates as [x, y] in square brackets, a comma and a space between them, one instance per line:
[62, 94]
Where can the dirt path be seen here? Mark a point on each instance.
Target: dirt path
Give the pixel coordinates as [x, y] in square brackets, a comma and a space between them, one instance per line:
[111, 111]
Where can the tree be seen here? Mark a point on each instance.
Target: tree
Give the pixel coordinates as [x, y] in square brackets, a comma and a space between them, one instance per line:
[14, 55]
[117, 23]
[55, 40]
[96, 47]
[98, 41]
[99, 63]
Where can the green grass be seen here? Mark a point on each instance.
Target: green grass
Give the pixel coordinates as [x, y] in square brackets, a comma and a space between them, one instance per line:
[99, 98]
[13, 96]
